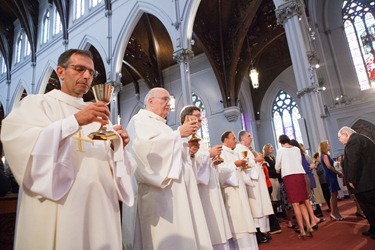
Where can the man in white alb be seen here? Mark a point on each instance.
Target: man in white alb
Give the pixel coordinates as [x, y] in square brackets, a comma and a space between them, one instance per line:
[169, 208]
[72, 186]
[232, 180]
[260, 201]
[209, 186]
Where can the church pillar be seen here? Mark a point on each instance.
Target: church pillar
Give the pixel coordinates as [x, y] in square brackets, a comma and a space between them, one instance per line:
[291, 14]
[114, 102]
[183, 57]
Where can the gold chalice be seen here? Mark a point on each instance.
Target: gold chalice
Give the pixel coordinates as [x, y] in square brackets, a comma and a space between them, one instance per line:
[216, 160]
[103, 93]
[244, 156]
[194, 136]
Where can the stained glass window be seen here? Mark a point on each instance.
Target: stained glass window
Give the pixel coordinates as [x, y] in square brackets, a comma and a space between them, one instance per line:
[3, 66]
[285, 115]
[359, 24]
[203, 132]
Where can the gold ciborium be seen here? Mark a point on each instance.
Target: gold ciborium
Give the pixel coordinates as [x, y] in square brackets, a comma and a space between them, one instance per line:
[103, 93]
[244, 156]
[194, 137]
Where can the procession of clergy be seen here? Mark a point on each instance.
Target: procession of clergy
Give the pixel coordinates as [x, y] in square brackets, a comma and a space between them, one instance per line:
[191, 197]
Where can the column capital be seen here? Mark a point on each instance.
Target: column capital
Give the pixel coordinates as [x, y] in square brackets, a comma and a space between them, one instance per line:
[288, 10]
[183, 55]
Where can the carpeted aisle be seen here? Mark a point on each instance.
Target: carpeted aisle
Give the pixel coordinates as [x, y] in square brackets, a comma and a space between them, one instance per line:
[331, 235]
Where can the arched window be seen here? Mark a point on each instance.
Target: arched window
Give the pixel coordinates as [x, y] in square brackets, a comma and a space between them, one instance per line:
[45, 27]
[285, 115]
[203, 132]
[3, 66]
[19, 48]
[93, 3]
[27, 47]
[57, 26]
[79, 8]
[359, 24]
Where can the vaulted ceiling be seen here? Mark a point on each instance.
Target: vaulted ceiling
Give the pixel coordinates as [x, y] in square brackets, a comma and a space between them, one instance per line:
[233, 35]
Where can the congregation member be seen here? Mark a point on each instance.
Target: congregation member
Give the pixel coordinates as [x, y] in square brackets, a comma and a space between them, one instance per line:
[209, 185]
[322, 180]
[289, 164]
[260, 202]
[72, 186]
[232, 180]
[359, 172]
[330, 174]
[275, 179]
[169, 207]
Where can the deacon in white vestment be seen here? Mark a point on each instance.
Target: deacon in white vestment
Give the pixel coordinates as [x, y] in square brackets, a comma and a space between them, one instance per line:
[259, 198]
[232, 180]
[169, 208]
[209, 186]
[71, 185]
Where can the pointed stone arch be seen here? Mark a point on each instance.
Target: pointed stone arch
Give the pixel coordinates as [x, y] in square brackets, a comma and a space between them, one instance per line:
[46, 73]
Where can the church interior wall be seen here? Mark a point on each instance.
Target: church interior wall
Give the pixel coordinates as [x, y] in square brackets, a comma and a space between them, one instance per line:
[204, 84]
[337, 69]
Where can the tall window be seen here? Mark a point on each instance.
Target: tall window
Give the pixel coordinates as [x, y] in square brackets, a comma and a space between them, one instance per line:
[3, 66]
[46, 27]
[203, 132]
[93, 3]
[285, 115]
[57, 26]
[27, 47]
[359, 24]
[79, 8]
[19, 48]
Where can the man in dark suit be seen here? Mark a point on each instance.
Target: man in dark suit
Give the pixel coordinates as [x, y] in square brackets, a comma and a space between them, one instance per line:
[359, 172]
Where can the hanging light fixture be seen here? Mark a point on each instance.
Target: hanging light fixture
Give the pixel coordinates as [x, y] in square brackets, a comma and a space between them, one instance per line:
[253, 74]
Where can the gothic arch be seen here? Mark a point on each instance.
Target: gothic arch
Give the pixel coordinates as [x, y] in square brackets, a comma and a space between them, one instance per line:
[21, 87]
[130, 23]
[46, 73]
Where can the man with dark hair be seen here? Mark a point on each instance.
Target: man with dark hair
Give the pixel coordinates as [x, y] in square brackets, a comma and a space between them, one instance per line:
[208, 184]
[71, 185]
[233, 180]
[359, 172]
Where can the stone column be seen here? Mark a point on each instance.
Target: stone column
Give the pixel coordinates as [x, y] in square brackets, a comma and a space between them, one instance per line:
[291, 14]
[183, 57]
[114, 102]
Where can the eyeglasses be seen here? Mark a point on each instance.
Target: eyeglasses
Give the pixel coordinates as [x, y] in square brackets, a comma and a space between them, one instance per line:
[82, 69]
[165, 99]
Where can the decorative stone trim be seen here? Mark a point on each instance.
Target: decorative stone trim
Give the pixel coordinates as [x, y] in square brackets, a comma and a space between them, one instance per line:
[288, 10]
[232, 113]
[183, 55]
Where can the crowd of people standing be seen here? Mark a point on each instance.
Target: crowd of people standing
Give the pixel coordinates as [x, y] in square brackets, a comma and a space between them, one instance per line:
[183, 195]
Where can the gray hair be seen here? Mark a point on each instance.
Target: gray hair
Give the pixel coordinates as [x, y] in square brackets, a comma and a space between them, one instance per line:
[346, 130]
[149, 95]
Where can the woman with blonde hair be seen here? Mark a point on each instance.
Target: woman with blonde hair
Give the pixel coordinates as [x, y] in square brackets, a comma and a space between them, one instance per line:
[331, 177]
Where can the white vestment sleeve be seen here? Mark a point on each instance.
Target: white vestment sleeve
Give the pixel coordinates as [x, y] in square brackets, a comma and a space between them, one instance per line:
[124, 166]
[228, 174]
[203, 166]
[51, 173]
